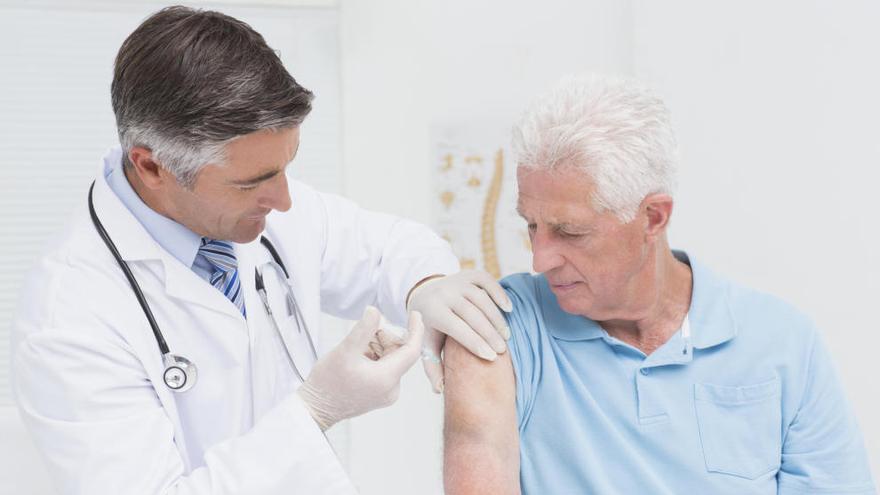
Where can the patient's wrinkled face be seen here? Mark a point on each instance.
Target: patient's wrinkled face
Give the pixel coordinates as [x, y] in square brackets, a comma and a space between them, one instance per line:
[593, 262]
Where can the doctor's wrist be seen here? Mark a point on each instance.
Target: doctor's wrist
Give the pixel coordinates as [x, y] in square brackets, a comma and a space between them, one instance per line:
[313, 402]
[418, 285]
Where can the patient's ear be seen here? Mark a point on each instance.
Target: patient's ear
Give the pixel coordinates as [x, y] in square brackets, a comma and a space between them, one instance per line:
[657, 209]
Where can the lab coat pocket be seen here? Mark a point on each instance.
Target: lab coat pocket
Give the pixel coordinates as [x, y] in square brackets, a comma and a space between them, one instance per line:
[740, 427]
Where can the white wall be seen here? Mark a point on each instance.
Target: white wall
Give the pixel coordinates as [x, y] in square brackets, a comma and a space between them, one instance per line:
[775, 105]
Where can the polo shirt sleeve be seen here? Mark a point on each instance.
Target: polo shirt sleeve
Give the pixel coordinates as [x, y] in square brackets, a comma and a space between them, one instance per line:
[525, 340]
[822, 450]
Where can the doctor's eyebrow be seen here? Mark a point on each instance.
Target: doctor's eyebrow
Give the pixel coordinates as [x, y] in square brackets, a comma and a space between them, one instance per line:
[257, 179]
[265, 176]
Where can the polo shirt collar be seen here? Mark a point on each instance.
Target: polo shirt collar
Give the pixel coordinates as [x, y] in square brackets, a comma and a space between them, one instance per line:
[710, 318]
[566, 326]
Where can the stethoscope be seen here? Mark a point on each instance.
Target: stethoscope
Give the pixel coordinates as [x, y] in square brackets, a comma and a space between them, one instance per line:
[180, 373]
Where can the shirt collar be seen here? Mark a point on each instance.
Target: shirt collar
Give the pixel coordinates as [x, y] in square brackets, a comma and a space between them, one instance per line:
[178, 240]
[710, 318]
[562, 325]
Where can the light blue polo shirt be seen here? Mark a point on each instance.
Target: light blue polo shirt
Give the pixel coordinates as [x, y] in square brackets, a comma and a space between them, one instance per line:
[749, 404]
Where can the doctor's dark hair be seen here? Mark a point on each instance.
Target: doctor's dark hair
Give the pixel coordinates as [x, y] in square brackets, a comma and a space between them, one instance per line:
[187, 82]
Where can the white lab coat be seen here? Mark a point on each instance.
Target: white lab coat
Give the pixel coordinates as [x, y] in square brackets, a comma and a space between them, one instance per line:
[88, 372]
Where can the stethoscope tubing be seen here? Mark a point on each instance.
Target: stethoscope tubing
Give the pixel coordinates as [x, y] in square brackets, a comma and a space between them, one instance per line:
[135, 287]
[170, 361]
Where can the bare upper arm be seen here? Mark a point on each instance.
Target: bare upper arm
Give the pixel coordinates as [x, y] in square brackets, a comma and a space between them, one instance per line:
[481, 442]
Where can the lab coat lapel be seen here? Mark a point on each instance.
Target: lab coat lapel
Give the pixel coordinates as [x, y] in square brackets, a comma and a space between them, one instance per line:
[134, 244]
[132, 241]
[263, 365]
[272, 377]
[184, 284]
[304, 276]
[249, 256]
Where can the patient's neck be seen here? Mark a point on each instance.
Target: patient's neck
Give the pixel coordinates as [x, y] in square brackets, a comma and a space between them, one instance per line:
[667, 308]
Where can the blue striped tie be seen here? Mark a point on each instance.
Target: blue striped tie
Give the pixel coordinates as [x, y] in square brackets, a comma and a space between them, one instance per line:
[225, 277]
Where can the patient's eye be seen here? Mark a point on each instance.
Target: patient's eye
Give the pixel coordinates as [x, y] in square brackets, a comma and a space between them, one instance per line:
[569, 233]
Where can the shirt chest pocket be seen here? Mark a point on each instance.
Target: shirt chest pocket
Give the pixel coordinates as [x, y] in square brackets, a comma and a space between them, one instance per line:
[740, 427]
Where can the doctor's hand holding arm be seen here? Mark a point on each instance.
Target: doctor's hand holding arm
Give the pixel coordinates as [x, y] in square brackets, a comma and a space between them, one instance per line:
[463, 306]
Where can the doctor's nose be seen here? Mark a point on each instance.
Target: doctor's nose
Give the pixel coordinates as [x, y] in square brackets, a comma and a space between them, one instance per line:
[278, 194]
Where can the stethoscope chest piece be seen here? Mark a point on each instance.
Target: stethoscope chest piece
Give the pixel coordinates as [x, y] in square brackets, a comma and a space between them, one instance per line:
[180, 373]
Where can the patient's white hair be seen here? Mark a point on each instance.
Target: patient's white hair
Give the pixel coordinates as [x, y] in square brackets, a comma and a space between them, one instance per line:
[614, 129]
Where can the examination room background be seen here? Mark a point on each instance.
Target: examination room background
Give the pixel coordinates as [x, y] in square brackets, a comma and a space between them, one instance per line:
[775, 104]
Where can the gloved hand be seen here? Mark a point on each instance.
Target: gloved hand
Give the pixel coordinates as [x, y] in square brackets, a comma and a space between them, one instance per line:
[350, 380]
[462, 306]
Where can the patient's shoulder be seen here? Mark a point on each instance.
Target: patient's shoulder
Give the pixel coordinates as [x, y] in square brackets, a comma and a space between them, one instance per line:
[534, 305]
[529, 293]
[465, 370]
[526, 285]
[473, 384]
[475, 389]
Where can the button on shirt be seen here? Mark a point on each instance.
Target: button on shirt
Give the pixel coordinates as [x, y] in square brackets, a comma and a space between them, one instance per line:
[748, 403]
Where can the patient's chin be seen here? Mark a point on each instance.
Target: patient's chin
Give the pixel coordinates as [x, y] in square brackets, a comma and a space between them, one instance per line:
[574, 304]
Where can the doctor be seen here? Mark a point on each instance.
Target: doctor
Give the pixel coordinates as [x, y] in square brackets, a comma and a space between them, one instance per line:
[198, 387]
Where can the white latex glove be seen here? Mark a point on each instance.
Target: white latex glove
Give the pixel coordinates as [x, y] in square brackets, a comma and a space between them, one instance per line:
[387, 339]
[463, 306]
[351, 380]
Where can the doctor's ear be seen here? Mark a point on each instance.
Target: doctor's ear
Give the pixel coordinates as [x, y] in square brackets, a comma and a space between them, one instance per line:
[150, 173]
[658, 210]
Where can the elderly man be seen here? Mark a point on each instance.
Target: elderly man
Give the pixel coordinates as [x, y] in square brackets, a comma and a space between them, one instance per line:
[634, 369]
